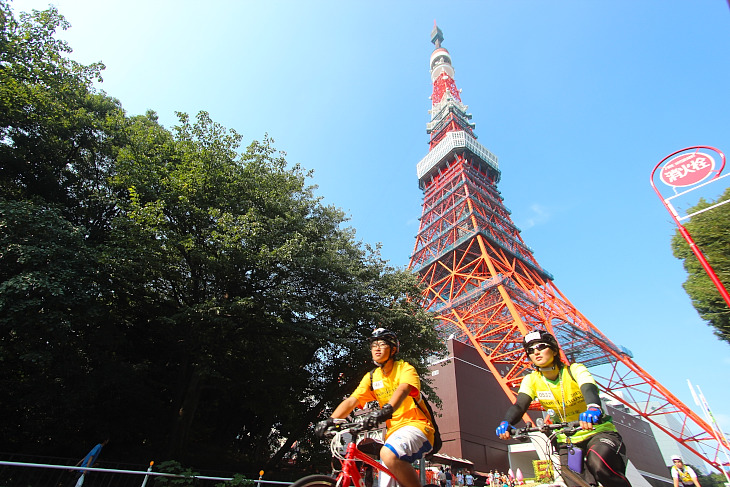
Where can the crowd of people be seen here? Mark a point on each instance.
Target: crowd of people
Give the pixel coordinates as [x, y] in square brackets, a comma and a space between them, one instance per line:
[500, 479]
[445, 477]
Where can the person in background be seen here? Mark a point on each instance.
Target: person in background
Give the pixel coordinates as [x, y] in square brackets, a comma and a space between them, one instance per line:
[683, 475]
[89, 461]
[431, 476]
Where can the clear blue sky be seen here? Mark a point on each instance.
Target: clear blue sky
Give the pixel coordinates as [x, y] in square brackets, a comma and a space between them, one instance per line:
[579, 100]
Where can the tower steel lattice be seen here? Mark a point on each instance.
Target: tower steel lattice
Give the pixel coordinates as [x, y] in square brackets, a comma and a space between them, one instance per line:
[487, 288]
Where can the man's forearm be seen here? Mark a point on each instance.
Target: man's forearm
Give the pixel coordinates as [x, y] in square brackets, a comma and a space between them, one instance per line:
[400, 395]
[346, 407]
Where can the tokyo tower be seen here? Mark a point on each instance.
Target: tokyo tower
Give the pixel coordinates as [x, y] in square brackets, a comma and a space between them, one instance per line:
[486, 287]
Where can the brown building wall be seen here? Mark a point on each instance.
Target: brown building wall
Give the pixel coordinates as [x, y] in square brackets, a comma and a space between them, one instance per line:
[473, 406]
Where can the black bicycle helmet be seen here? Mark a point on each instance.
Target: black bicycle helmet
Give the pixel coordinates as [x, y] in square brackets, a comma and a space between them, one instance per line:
[387, 336]
[539, 336]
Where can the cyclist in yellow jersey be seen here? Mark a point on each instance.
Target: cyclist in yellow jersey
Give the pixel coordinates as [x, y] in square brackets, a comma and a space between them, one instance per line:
[683, 475]
[572, 394]
[396, 386]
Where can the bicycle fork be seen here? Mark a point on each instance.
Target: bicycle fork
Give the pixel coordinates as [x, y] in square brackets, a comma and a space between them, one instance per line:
[350, 474]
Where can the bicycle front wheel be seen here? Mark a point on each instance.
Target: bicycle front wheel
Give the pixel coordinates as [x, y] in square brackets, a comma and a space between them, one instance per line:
[315, 481]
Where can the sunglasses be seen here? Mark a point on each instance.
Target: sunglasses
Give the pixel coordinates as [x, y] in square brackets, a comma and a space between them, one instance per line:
[537, 348]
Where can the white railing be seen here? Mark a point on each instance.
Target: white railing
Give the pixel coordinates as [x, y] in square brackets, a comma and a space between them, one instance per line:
[142, 475]
[452, 141]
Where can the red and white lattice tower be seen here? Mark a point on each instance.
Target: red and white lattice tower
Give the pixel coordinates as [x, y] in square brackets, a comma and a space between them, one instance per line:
[486, 286]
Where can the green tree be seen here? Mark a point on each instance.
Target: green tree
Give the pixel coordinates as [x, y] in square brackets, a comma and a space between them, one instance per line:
[57, 140]
[57, 134]
[711, 232]
[268, 298]
[196, 301]
[712, 480]
[47, 311]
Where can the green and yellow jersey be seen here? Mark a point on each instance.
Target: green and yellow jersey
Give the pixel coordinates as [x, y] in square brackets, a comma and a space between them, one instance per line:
[563, 396]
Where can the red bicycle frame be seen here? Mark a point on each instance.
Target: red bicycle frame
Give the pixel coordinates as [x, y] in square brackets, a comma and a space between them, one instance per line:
[350, 474]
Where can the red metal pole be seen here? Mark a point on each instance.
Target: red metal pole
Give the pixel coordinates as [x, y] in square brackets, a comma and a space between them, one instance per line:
[706, 265]
[685, 233]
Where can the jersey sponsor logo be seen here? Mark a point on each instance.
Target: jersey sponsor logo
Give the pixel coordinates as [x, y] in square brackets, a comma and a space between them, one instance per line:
[607, 441]
[545, 396]
[378, 384]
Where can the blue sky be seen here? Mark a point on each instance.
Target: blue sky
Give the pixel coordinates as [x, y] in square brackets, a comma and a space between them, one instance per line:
[579, 100]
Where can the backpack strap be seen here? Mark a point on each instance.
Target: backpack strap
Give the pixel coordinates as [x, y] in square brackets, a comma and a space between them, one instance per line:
[426, 412]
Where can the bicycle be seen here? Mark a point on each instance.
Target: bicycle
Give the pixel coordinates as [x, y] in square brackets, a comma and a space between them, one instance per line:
[349, 474]
[550, 430]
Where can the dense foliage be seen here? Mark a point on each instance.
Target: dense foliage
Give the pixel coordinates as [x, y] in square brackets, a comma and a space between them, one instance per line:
[711, 232]
[193, 301]
[713, 480]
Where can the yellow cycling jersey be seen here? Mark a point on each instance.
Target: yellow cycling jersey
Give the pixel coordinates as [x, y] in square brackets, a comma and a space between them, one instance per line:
[408, 414]
[564, 397]
[684, 475]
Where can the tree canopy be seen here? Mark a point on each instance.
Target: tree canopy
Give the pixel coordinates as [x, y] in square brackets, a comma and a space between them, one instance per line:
[711, 232]
[192, 300]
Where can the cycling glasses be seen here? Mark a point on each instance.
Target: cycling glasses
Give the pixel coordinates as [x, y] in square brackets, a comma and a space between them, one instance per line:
[379, 344]
[537, 348]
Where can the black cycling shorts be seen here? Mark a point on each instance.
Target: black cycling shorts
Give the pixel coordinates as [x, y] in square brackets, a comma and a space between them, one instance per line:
[604, 461]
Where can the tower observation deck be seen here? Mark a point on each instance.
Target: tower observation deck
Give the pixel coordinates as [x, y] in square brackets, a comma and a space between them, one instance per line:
[486, 287]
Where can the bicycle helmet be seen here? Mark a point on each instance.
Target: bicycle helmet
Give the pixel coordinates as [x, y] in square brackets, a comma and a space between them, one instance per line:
[539, 336]
[388, 337]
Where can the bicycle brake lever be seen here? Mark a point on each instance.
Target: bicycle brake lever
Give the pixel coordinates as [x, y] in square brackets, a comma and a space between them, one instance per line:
[336, 426]
[519, 434]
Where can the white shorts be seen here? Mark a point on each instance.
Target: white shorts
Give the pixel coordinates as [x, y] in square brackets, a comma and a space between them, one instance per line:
[409, 444]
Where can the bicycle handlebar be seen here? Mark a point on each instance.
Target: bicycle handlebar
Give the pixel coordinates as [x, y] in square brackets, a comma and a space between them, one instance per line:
[568, 428]
[341, 426]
